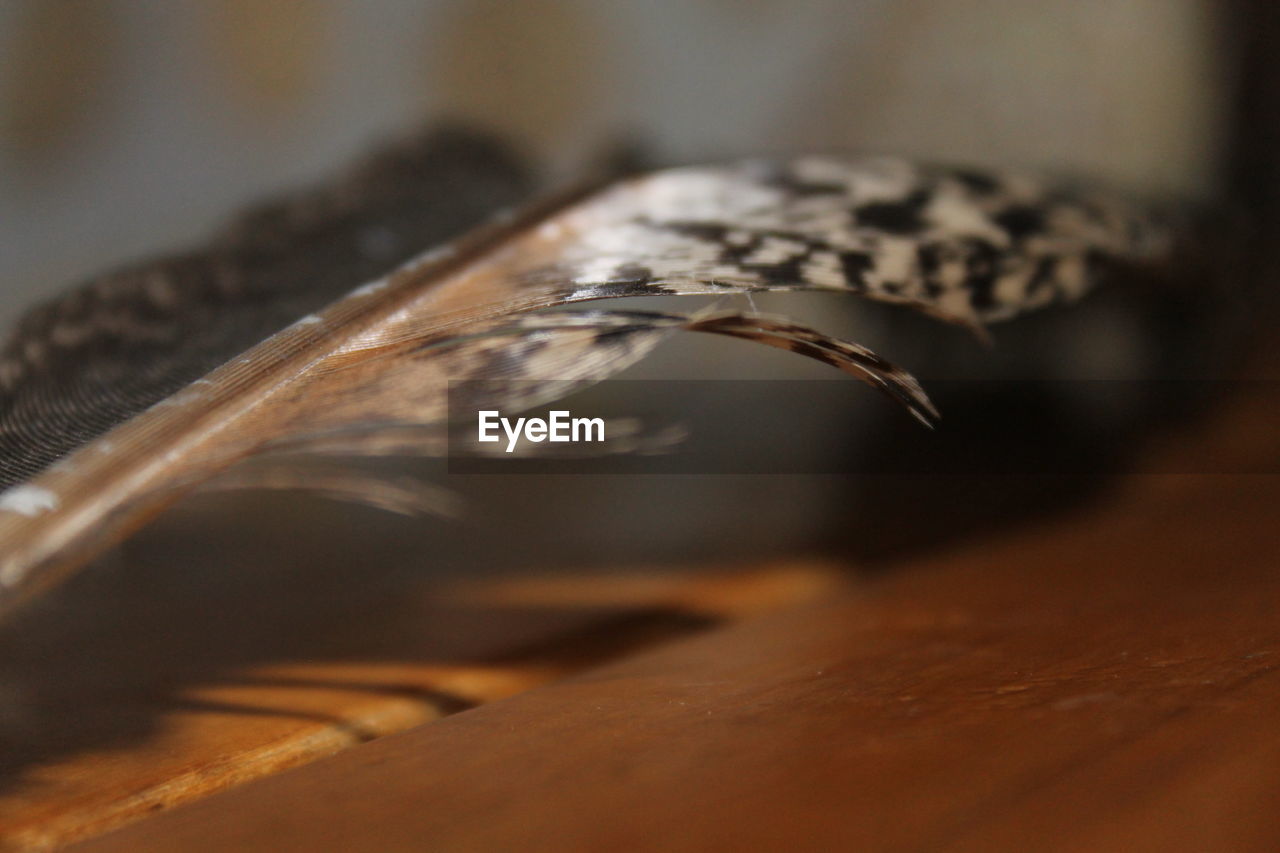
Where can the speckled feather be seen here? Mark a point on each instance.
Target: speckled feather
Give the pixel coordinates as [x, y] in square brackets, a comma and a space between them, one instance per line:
[967, 246]
[963, 246]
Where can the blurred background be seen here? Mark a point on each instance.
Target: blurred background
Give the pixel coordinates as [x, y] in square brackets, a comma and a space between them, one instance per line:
[131, 127]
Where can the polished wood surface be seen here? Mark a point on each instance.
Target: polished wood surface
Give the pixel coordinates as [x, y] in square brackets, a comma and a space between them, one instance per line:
[1105, 681]
[158, 699]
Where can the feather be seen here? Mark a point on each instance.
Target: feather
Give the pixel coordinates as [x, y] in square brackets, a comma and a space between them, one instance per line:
[94, 357]
[966, 247]
[403, 495]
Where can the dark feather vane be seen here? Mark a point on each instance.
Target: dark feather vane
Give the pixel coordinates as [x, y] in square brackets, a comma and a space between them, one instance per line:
[102, 353]
[962, 246]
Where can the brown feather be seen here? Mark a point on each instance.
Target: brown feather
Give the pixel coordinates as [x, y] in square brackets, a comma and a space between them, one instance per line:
[382, 357]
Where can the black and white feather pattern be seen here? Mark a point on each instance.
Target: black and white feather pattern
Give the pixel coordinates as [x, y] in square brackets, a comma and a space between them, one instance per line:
[964, 246]
[968, 246]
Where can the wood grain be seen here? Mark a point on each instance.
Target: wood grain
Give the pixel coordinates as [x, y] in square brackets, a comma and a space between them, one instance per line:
[1106, 682]
[158, 699]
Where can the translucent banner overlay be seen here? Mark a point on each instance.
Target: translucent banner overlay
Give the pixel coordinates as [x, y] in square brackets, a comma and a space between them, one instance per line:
[707, 427]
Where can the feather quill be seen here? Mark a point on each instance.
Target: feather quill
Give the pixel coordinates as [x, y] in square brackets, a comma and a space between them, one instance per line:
[963, 246]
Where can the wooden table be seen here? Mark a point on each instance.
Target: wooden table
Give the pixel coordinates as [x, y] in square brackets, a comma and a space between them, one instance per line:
[1106, 680]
